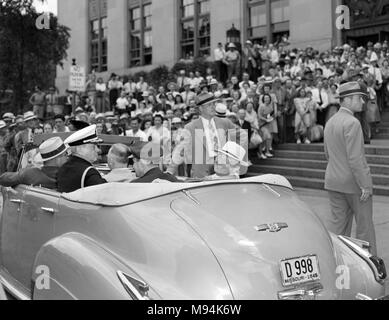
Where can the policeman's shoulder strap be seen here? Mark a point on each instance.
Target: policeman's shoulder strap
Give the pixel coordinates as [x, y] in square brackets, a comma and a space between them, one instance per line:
[84, 176]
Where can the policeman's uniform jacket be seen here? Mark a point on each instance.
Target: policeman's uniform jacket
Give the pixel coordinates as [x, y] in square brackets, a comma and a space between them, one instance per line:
[76, 174]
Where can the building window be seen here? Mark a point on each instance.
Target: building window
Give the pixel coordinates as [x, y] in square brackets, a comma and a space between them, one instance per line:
[98, 35]
[141, 40]
[259, 21]
[195, 28]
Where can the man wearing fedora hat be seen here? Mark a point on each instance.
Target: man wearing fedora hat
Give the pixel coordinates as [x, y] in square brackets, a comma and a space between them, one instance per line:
[26, 136]
[53, 153]
[203, 137]
[79, 172]
[348, 179]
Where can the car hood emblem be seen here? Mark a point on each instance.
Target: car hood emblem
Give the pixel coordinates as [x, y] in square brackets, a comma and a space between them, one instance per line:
[271, 227]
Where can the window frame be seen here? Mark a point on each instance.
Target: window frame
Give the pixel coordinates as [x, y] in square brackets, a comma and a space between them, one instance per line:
[196, 19]
[142, 50]
[96, 62]
[269, 27]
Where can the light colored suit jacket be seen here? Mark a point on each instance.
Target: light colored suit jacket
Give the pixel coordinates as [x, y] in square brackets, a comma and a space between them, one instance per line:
[347, 170]
[194, 146]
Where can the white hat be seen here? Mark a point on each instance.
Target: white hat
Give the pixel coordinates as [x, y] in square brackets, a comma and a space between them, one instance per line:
[213, 82]
[29, 115]
[234, 151]
[176, 121]
[100, 116]
[221, 110]
[231, 45]
[8, 116]
[249, 42]
[145, 94]
[2, 124]
[87, 135]
[52, 148]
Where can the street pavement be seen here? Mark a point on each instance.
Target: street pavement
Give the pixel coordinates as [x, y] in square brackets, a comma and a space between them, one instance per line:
[318, 201]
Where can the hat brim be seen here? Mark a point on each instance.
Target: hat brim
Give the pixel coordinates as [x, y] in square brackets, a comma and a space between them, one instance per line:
[55, 156]
[209, 102]
[30, 118]
[243, 163]
[221, 115]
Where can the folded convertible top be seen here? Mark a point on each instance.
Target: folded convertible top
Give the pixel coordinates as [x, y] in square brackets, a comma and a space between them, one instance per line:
[121, 194]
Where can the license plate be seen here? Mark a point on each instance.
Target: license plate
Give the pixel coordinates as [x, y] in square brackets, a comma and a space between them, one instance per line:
[300, 270]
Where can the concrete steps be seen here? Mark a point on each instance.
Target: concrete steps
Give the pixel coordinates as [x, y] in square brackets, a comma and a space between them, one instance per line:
[305, 166]
[382, 128]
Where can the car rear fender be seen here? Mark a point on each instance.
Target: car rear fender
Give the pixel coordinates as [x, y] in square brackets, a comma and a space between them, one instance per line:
[354, 274]
[74, 266]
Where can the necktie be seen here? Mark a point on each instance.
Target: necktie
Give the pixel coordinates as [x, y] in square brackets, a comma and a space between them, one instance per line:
[214, 139]
[321, 99]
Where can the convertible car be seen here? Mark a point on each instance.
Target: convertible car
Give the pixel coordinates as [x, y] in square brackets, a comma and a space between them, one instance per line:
[250, 239]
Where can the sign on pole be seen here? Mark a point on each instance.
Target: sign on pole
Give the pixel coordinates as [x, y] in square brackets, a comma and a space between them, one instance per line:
[77, 79]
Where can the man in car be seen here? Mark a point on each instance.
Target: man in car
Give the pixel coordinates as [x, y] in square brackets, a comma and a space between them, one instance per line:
[146, 158]
[118, 157]
[79, 172]
[53, 153]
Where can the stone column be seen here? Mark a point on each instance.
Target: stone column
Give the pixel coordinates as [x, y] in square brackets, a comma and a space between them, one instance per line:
[165, 32]
[118, 35]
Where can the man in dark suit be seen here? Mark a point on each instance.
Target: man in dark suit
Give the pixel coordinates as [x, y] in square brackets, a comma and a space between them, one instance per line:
[147, 157]
[78, 172]
[348, 179]
[53, 153]
[202, 138]
[245, 125]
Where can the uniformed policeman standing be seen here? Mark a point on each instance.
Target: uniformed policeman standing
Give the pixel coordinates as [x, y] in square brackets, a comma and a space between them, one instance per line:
[79, 172]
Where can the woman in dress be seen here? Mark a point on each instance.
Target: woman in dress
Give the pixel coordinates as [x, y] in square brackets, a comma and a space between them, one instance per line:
[302, 118]
[267, 123]
[385, 85]
[179, 103]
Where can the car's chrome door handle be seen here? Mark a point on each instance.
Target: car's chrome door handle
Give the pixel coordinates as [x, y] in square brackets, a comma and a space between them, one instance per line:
[18, 201]
[48, 210]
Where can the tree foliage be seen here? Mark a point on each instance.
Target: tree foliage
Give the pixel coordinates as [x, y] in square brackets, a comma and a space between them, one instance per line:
[28, 55]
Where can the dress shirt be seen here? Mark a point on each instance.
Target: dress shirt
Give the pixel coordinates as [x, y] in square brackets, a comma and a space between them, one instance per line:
[139, 134]
[209, 136]
[219, 54]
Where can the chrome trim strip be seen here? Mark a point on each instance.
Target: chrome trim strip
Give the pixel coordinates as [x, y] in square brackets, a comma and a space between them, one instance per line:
[191, 197]
[268, 188]
[134, 292]
[13, 290]
[365, 255]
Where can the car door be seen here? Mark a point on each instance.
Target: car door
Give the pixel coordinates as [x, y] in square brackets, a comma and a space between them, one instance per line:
[36, 227]
[11, 214]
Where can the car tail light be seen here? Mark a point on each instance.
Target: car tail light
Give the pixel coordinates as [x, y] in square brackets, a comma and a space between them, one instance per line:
[361, 249]
[137, 289]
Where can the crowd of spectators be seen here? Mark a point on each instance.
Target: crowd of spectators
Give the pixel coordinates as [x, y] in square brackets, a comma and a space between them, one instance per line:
[278, 94]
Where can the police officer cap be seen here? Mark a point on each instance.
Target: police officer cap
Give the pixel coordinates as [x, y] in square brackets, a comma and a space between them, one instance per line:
[87, 135]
